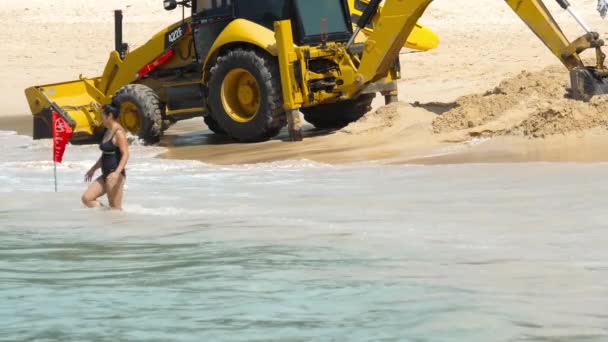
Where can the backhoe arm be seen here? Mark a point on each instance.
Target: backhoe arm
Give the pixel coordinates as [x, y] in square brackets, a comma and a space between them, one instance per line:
[541, 22]
[397, 19]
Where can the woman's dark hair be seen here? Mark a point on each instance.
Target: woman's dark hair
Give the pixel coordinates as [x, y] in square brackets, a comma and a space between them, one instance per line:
[111, 109]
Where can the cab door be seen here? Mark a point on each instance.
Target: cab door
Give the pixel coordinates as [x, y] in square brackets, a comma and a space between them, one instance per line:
[209, 19]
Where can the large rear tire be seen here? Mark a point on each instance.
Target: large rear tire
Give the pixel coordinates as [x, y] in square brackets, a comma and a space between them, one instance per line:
[141, 112]
[340, 114]
[245, 95]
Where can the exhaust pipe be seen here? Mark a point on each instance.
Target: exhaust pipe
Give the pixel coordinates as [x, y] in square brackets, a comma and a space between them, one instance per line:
[118, 33]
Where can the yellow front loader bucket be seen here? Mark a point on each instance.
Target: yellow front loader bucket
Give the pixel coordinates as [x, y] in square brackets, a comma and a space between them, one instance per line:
[80, 101]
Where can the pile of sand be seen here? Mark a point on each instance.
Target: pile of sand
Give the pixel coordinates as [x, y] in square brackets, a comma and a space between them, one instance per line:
[383, 118]
[531, 104]
[563, 116]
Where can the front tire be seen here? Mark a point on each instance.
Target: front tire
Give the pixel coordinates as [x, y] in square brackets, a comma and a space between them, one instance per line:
[245, 96]
[214, 126]
[141, 112]
[340, 114]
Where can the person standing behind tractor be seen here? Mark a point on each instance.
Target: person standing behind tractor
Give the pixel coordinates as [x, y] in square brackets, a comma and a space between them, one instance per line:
[113, 163]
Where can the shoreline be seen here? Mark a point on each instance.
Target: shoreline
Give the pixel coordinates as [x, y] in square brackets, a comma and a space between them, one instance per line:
[22, 124]
[587, 148]
[555, 149]
[190, 140]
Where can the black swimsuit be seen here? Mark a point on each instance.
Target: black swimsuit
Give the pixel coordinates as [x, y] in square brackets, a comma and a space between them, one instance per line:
[110, 158]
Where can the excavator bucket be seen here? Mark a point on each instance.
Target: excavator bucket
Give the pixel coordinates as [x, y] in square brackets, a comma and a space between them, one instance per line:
[78, 100]
[587, 82]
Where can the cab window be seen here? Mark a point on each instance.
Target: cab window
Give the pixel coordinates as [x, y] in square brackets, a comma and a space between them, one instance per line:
[314, 12]
[209, 8]
[264, 12]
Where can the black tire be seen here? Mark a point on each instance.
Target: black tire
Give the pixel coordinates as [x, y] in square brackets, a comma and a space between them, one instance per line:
[340, 114]
[149, 111]
[270, 116]
[214, 126]
[168, 124]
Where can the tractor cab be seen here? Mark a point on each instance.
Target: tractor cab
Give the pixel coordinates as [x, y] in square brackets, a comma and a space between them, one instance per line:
[314, 22]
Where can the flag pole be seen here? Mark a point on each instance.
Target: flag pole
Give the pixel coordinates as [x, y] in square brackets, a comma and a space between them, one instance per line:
[55, 173]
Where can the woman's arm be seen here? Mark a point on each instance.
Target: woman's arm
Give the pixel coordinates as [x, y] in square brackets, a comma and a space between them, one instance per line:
[123, 145]
[89, 175]
[97, 166]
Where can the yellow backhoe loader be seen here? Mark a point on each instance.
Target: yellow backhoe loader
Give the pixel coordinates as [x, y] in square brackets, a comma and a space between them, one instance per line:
[249, 67]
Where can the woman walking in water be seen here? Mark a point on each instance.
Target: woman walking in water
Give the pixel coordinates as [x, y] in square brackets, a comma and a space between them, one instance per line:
[113, 161]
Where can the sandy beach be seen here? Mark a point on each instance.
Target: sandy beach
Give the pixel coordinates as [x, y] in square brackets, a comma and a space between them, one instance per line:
[490, 92]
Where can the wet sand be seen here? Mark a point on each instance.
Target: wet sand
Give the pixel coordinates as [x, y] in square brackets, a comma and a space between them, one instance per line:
[21, 124]
[368, 140]
[202, 145]
[590, 147]
[397, 134]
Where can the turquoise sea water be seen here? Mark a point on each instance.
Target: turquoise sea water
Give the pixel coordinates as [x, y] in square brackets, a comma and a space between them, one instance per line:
[300, 251]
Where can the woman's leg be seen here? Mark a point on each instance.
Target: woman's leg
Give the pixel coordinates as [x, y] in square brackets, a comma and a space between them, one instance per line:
[95, 190]
[114, 190]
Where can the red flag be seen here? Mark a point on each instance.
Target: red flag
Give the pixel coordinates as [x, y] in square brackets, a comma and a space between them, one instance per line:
[62, 133]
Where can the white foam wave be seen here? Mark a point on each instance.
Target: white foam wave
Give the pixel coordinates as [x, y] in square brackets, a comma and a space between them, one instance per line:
[456, 148]
[164, 211]
[158, 170]
[45, 165]
[134, 140]
[7, 133]
[33, 145]
[164, 165]
[154, 167]
[280, 165]
[146, 152]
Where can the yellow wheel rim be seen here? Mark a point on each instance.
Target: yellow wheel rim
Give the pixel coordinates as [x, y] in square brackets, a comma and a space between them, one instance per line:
[130, 117]
[241, 95]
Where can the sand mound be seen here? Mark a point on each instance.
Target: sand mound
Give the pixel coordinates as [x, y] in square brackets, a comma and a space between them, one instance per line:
[383, 118]
[532, 104]
[396, 116]
[563, 116]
